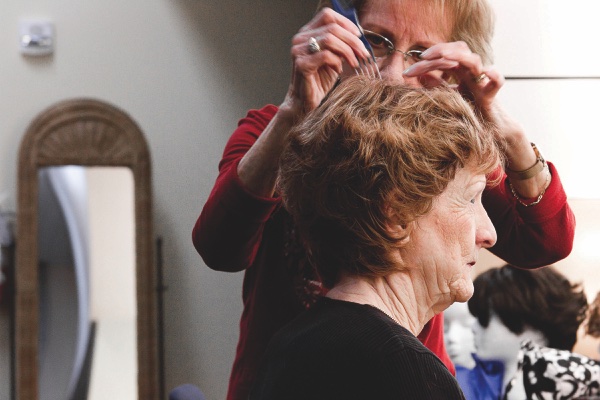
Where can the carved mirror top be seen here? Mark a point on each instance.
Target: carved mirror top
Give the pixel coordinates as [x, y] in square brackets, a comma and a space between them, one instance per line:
[83, 132]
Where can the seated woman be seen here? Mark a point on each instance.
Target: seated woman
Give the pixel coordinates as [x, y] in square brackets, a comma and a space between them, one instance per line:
[529, 320]
[384, 184]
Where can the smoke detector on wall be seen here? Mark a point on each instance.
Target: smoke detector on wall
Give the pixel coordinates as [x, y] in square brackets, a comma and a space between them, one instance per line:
[36, 37]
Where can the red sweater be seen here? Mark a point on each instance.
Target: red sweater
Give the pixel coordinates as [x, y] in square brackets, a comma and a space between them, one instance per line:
[239, 231]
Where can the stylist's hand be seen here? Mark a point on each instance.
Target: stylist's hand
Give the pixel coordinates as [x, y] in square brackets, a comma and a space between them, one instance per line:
[458, 64]
[455, 62]
[315, 73]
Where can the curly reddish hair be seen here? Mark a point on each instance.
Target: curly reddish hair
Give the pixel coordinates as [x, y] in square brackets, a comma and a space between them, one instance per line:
[375, 154]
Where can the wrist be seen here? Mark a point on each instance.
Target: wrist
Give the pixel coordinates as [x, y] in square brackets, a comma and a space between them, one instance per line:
[534, 188]
[289, 112]
[532, 181]
[531, 171]
[520, 153]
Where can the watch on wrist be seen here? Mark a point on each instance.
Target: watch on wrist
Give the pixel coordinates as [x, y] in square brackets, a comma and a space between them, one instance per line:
[530, 172]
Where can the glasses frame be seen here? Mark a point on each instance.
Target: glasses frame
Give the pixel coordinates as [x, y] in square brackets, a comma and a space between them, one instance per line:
[412, 54]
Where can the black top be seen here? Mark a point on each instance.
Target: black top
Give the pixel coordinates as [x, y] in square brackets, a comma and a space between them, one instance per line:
[345, 350]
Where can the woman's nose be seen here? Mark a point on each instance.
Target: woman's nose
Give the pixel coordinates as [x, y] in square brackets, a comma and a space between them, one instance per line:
[486, 233]
[392, 68]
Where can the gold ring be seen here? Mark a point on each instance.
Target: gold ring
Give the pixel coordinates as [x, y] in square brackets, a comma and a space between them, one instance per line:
[313, 46]
[479, 77]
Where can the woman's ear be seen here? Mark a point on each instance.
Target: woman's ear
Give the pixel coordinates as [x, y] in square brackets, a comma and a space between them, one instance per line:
[400, 232]
[395, 227]
[397, 230]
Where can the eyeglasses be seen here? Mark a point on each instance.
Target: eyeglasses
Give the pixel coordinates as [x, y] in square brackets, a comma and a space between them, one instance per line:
[383, 47]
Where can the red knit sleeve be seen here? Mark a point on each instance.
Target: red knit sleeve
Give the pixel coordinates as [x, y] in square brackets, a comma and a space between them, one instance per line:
[531, 237]
[432, 336]
[229, 229]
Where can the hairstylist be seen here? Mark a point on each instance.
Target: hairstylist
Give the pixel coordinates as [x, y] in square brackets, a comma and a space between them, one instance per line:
[243, 227]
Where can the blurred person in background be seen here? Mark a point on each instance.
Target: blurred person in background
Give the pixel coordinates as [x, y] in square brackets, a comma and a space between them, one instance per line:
[529, 320]
[479, 379]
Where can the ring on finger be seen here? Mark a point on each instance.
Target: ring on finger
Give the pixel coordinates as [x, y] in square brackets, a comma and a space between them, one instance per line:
[313, 46]
[479, 77]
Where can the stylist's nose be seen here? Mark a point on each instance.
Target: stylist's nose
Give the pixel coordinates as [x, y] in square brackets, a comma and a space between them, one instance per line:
[392, 68]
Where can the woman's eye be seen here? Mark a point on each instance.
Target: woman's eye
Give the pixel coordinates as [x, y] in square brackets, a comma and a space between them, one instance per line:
[375, 40]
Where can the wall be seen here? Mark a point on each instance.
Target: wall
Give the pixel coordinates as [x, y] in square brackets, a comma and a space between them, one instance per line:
[186, 71]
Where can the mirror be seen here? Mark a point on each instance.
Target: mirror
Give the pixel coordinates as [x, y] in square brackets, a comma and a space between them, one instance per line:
[86, 133]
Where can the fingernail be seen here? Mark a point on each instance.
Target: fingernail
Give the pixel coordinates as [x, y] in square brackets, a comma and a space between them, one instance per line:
[408, 70]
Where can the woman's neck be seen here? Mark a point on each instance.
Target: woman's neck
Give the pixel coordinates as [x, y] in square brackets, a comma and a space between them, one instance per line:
[395, 295]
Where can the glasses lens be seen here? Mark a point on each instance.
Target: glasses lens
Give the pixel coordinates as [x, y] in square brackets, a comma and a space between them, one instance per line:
[412, 56]
[381, 45]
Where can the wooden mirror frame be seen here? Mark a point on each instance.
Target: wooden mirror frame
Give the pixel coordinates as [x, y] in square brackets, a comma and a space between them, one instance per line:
[84, 132]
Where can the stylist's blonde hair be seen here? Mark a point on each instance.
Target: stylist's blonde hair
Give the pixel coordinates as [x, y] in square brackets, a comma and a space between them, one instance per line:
[375, 154]
[472, 22]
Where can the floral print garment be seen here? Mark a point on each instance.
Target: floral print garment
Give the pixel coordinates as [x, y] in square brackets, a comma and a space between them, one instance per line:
[545, 373]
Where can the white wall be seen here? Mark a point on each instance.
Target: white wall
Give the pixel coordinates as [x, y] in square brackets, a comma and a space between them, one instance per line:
[186, 71]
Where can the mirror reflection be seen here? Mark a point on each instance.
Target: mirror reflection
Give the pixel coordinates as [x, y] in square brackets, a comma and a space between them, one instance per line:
[86, 249]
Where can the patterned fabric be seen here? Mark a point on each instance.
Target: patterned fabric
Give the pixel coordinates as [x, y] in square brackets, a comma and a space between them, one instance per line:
[545, 373]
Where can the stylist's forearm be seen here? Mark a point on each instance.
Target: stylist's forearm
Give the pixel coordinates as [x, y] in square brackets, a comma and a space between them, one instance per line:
[257, 170]
[520, 157]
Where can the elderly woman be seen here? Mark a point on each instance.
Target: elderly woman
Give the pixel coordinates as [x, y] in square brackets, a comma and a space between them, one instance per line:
[529, 320]
[384, 184]
[423, 43]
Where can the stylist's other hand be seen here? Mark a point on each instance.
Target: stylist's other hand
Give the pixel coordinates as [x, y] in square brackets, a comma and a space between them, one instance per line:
[455, 63]
[314, 73]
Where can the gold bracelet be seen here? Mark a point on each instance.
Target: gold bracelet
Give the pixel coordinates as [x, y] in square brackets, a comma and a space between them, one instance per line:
[530, 172]
[540, 196]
